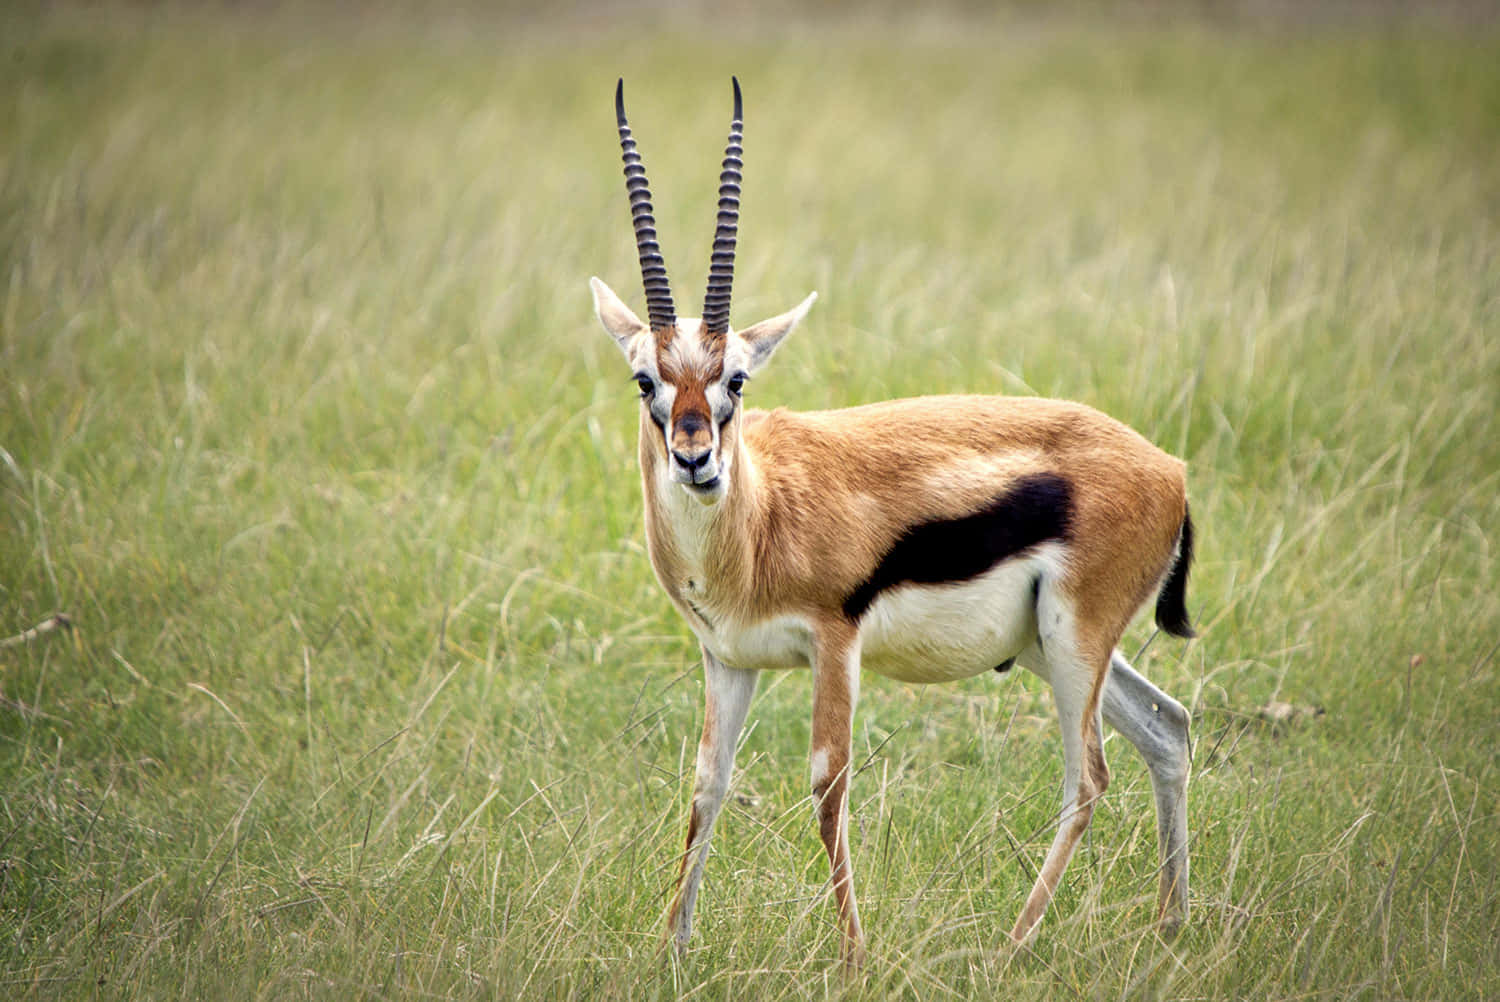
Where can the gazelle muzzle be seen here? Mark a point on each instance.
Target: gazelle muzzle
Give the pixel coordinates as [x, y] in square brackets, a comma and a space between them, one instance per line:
[694, 450]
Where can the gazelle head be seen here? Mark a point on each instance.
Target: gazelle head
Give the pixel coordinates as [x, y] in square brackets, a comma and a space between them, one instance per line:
[691, 372]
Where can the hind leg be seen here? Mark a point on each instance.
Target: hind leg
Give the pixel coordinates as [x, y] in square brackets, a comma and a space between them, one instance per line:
[1157, 725]
[1077, 679]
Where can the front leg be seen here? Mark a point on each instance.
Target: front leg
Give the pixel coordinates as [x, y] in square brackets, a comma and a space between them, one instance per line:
[727, 699]
[835, 691]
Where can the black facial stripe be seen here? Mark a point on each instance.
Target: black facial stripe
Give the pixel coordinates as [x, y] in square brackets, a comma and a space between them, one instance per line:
[1031, 511]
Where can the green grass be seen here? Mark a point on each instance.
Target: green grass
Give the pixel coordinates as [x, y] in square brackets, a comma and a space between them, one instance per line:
[307, 423]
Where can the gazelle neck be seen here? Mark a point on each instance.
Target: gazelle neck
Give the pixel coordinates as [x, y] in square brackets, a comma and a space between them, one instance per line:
[696, 547]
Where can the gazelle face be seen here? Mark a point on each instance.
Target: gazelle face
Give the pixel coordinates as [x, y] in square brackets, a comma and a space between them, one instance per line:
[690, 372]
[691, 386]
[690, 389]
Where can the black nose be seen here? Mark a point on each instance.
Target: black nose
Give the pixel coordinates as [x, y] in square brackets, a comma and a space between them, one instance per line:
[692, 463]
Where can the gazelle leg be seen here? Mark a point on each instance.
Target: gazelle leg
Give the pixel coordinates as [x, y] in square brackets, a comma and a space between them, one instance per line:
[835, 692]
[1076, 686]
[727, 700]
[1158, 727]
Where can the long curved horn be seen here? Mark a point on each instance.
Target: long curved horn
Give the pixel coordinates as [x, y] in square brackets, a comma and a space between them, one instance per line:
[663, 315]
[721, 265]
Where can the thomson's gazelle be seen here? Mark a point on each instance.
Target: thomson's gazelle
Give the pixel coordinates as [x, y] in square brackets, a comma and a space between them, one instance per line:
[925, 540]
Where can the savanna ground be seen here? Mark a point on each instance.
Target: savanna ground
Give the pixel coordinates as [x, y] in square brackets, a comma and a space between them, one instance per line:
[306, 423]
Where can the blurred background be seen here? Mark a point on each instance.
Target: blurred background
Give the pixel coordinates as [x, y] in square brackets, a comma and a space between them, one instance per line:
[308, 429]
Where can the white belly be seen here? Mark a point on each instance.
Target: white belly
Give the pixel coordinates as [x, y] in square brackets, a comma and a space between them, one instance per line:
[915, 633]
[937, 633]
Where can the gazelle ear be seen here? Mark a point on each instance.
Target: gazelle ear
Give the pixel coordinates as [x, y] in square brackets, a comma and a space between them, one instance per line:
[762, 338]
[618, 320]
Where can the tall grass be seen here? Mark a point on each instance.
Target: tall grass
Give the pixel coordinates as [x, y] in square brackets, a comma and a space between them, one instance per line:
[308, 427]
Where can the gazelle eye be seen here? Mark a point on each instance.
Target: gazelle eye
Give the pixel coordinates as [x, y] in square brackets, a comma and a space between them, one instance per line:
[645, 383]
[736, 383]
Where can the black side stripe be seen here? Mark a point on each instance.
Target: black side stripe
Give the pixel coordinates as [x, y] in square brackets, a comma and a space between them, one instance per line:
[1033, 510]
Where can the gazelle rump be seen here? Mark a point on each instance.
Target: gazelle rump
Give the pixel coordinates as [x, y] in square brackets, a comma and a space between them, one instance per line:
[926, 539]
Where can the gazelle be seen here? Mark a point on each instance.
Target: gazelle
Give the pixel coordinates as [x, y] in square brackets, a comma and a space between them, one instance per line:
[925, 540]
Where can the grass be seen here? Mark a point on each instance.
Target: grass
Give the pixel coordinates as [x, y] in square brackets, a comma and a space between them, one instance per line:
[308, 426]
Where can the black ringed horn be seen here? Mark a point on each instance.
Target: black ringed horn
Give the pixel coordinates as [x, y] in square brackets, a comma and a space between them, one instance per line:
[659, 308]
[721, 264]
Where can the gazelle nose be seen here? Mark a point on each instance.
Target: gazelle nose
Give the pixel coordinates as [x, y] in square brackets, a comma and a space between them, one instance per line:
[692, 462]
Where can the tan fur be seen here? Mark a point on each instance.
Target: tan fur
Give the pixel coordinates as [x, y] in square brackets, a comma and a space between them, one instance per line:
[831, 491]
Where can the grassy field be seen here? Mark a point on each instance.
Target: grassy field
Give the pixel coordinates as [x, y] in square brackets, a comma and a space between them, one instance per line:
[306, 423]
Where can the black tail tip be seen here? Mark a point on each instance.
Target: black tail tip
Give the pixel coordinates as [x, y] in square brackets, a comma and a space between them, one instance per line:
[1171, 603]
